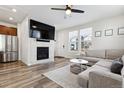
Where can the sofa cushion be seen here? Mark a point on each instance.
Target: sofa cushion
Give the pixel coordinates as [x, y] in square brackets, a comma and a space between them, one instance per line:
[105, 63]
[114, 53]
[104, 80]
[119, 59]
[96, 53]
[83, 77]
[91, 59]
[123, 59]
[122, 71]
[116, 67]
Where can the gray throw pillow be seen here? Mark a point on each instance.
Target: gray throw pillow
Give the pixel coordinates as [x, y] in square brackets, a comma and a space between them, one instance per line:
[116, 67]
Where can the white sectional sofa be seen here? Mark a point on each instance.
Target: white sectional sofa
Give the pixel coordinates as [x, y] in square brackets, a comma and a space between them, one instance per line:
[94, 56]
[100, 75]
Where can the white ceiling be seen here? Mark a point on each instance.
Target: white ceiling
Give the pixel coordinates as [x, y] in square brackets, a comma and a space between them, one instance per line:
[43, 13]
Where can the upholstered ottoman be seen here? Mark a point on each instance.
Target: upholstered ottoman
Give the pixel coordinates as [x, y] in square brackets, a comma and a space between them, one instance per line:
[77, 68]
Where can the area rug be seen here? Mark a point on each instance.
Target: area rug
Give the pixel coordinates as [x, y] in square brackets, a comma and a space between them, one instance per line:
[63, 77]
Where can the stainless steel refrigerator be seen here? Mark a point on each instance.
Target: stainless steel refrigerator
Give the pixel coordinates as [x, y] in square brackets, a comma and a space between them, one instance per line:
[8, 48]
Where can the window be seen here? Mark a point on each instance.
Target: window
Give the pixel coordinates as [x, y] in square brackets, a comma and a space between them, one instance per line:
[80, 40]
[73, 40]
[85, 38]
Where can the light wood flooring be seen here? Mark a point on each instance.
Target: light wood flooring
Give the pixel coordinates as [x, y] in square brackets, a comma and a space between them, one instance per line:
[18, 75]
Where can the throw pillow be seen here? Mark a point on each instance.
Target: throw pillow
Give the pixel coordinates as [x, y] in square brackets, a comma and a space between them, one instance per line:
[116, 67]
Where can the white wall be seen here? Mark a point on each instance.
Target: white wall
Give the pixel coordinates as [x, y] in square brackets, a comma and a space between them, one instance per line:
[103, 42]
[19, 41]
[7, 24]
[28, 46]
[23, 40]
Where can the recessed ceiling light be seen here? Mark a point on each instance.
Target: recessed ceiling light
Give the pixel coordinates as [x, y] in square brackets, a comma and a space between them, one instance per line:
[14, 10]
[10, 18]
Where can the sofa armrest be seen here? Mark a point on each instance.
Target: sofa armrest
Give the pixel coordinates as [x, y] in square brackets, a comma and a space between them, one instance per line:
[104, 79]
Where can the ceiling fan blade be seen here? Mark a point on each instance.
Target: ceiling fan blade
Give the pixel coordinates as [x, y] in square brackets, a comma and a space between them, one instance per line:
[77, 11]
[57, 9]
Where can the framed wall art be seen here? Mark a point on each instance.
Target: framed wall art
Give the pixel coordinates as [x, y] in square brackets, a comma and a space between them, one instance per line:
[98, 34]
[109, 32]
[121, 31]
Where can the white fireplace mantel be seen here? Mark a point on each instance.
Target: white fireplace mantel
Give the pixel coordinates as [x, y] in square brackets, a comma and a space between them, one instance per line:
[33, 51]
[28, 46]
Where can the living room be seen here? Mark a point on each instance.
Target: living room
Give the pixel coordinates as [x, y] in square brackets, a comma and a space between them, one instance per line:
[99, 44]
[55, 47]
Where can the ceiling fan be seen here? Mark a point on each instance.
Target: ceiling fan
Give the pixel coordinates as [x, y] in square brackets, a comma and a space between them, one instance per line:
[68, 10]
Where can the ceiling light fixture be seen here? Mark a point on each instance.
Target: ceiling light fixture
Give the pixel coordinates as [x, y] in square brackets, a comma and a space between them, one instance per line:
[14, 10]
[68, 12]
[10, 18]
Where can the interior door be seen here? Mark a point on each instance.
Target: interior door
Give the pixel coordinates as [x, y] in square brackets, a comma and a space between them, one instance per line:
[61, 45]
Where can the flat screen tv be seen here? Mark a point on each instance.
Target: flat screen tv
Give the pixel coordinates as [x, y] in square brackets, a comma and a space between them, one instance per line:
[41, 31]
[36, 34]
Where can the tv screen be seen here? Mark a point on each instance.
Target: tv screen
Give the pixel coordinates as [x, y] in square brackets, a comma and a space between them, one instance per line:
[44, 34]
[36, 34]
[41, 31]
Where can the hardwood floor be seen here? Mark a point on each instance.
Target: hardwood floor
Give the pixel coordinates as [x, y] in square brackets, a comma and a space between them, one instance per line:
[11, 65]
[18, 75]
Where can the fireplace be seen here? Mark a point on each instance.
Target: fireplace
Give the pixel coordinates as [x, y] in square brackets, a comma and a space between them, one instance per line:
[42, 53]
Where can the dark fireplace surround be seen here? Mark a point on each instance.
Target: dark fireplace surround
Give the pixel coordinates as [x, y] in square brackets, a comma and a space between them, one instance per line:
[42, 53]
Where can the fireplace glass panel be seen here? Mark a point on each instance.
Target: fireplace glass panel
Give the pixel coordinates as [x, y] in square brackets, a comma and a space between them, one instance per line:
[42, 53]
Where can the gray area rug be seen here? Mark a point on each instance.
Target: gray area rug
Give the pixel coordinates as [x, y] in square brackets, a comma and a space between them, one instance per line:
[63, 77]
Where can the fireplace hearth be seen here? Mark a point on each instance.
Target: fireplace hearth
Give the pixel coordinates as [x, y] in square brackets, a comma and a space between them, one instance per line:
[42, 53]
